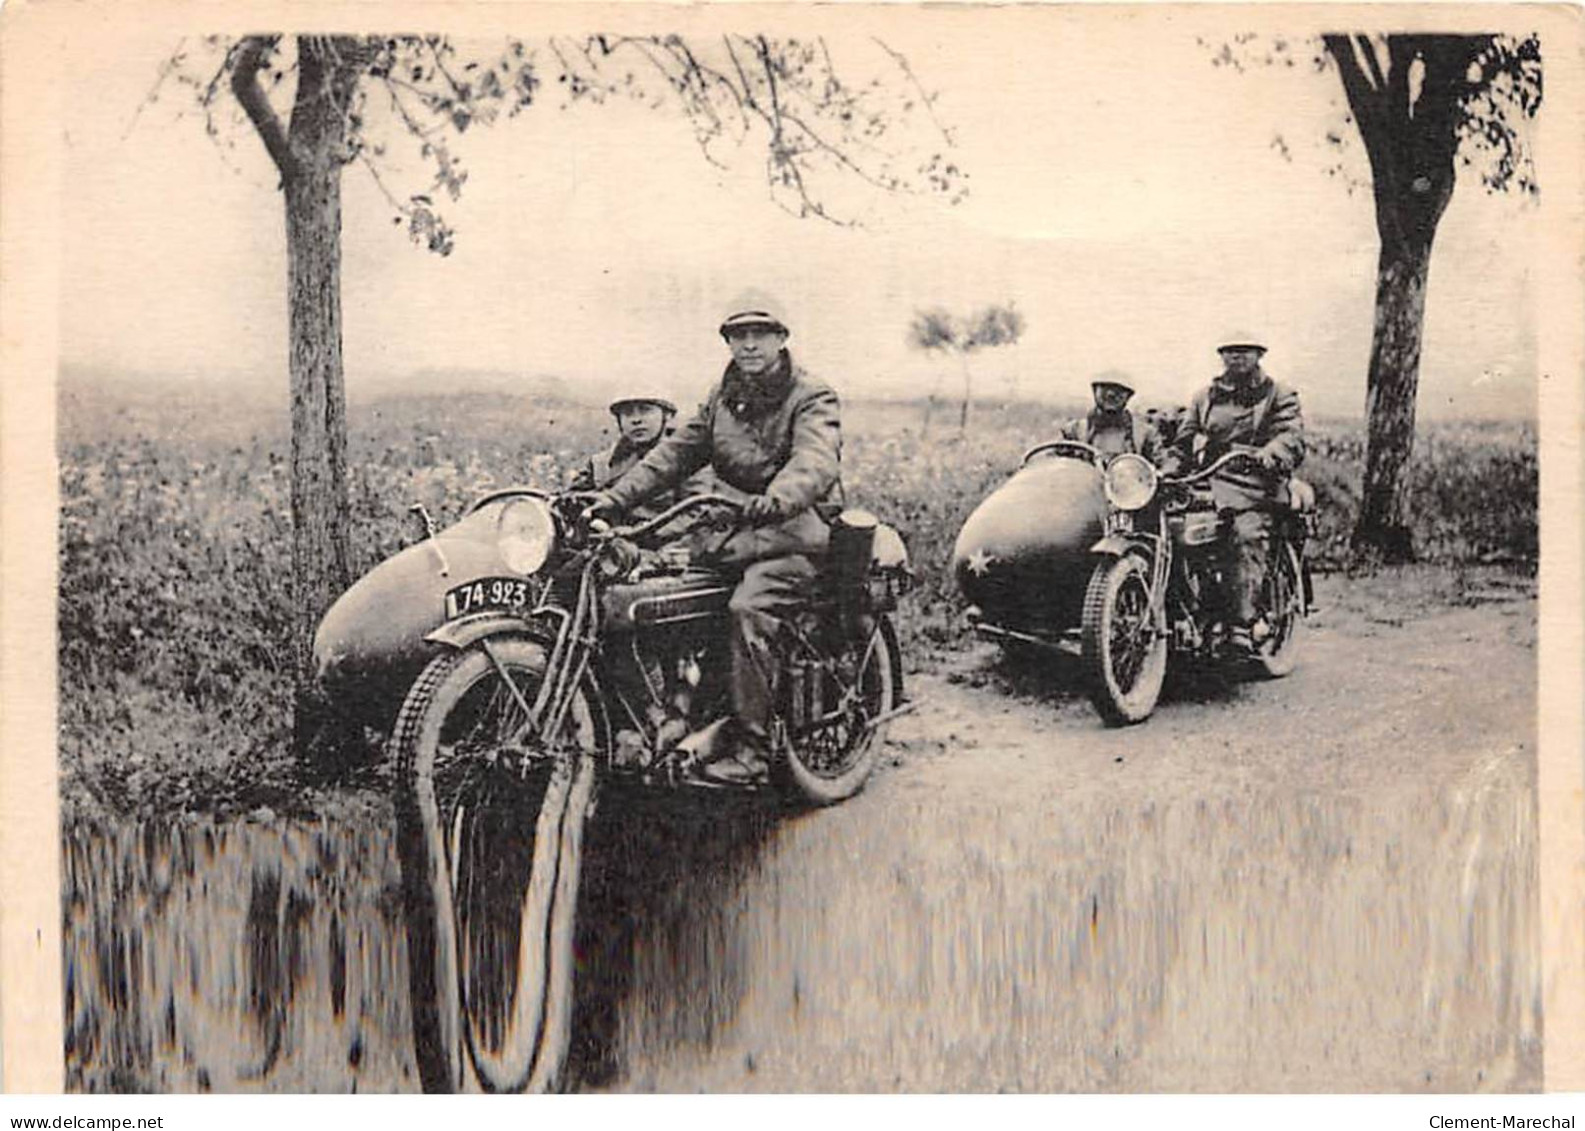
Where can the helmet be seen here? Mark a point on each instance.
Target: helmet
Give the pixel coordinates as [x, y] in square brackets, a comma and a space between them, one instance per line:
[1113, 377]
[754, 308]
[643, 398]
[1241, 340]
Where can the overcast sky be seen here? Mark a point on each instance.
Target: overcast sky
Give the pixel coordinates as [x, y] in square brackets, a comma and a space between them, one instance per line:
[1125, 194]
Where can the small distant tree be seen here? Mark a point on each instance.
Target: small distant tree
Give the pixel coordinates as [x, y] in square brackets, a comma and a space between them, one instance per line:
[938, 331]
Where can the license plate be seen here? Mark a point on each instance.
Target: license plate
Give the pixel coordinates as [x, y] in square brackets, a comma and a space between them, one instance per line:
[486, 593]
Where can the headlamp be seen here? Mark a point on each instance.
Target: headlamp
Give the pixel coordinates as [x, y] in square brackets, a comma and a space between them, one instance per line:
[1130, 481]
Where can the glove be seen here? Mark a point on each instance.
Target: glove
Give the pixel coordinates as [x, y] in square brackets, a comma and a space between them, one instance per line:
[762, 510]
[596, 504]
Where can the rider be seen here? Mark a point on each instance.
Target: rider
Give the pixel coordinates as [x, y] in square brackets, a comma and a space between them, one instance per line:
[774, 434]
[1243, 406]
[642, 421]
[1109, 427]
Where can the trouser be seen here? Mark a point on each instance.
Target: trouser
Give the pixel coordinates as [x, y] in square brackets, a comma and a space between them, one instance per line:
[768, 591]
[1248, 554]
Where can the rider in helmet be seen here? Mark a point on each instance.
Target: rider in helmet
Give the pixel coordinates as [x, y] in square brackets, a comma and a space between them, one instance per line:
[1243, 406]
[1109, 427]
[642, 421]
[773, 434]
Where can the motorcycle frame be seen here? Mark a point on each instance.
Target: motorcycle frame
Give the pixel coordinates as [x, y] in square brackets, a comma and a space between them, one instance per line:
[574, 640]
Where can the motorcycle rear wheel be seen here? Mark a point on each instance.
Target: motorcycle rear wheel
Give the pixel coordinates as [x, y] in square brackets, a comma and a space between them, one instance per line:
[1279, 654]
[490, 888]
[834, 764]
[1125, 659]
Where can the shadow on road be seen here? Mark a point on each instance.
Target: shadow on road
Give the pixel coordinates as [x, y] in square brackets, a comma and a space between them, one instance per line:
[663, 891]
[1058, 678]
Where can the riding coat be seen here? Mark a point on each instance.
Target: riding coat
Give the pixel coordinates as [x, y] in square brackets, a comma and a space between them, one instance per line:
[1263, 415]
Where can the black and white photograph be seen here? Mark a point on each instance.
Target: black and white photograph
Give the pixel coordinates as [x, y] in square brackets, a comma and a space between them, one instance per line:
[794, 549]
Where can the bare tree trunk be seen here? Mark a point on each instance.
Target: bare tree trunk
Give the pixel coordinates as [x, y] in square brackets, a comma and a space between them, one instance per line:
[1411, 137]
[309, 155]
[319, 415]
[1392, 384]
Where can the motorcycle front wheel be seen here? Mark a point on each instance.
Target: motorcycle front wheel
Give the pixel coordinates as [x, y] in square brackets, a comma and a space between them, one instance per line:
[832, 761]
[489, 838]
[1125, 658]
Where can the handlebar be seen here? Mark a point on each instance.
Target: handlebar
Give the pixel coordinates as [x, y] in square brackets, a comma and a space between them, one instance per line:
[1087, 450]
[1207, 472]
[692, 502]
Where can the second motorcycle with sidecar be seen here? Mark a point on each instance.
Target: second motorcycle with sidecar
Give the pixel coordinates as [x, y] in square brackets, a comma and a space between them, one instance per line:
[1109, 560]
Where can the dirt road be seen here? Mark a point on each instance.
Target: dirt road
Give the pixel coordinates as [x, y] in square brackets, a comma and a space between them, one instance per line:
[1324, 883]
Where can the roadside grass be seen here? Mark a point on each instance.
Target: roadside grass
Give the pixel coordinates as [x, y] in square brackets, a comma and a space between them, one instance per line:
[175, 561]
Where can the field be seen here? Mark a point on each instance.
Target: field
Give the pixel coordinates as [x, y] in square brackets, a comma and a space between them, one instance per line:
[175, 567]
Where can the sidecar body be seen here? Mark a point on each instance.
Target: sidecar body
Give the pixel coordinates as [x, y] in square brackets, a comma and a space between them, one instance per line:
[1022, 559]
[372, 643]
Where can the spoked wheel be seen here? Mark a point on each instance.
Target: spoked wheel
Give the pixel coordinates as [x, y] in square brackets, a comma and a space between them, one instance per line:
[1278, 654]
[490, 828]
[1125, 657]
[832, 759]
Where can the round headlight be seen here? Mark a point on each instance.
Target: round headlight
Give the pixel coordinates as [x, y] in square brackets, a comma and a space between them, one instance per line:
[1130, 481]
[524, 534]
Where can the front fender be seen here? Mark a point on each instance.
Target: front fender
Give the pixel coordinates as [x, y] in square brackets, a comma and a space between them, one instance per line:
[462, 632]
[1116, 545]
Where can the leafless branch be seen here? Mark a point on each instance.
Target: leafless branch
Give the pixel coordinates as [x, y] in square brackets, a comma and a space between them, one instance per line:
[925, 97]
[1367, 51]
[245, 85]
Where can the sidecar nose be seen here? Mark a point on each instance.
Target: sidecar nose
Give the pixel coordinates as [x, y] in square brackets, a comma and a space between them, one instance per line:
[370, 645]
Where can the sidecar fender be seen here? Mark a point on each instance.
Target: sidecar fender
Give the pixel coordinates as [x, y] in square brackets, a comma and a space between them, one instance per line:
[470, 630]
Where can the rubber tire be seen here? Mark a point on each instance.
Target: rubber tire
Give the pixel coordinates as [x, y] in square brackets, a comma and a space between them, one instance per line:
[1118, 707]
[810, 788]
[441, 1037]
[1282, 661]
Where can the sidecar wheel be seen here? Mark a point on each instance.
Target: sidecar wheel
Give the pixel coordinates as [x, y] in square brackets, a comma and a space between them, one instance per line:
[490, 888]
[1125, 659]
[833, 763]
[1279, 655]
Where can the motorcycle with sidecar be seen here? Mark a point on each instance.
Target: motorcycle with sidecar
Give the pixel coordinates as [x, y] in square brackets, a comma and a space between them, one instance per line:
[522, 655]
[1112, 561]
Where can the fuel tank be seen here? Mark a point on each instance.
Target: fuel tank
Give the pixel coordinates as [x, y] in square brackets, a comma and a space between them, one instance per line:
[370, 646]
[1023, 555]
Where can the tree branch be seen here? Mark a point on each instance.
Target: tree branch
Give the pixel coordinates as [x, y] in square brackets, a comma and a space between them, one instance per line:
[1364, 98]
[245, 85]
[1367, 49]
[925, 97]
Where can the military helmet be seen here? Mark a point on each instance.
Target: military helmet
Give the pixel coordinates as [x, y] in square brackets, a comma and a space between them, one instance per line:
[1115, 378]
[1241, 340]
[643, 398]
[754, 308]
